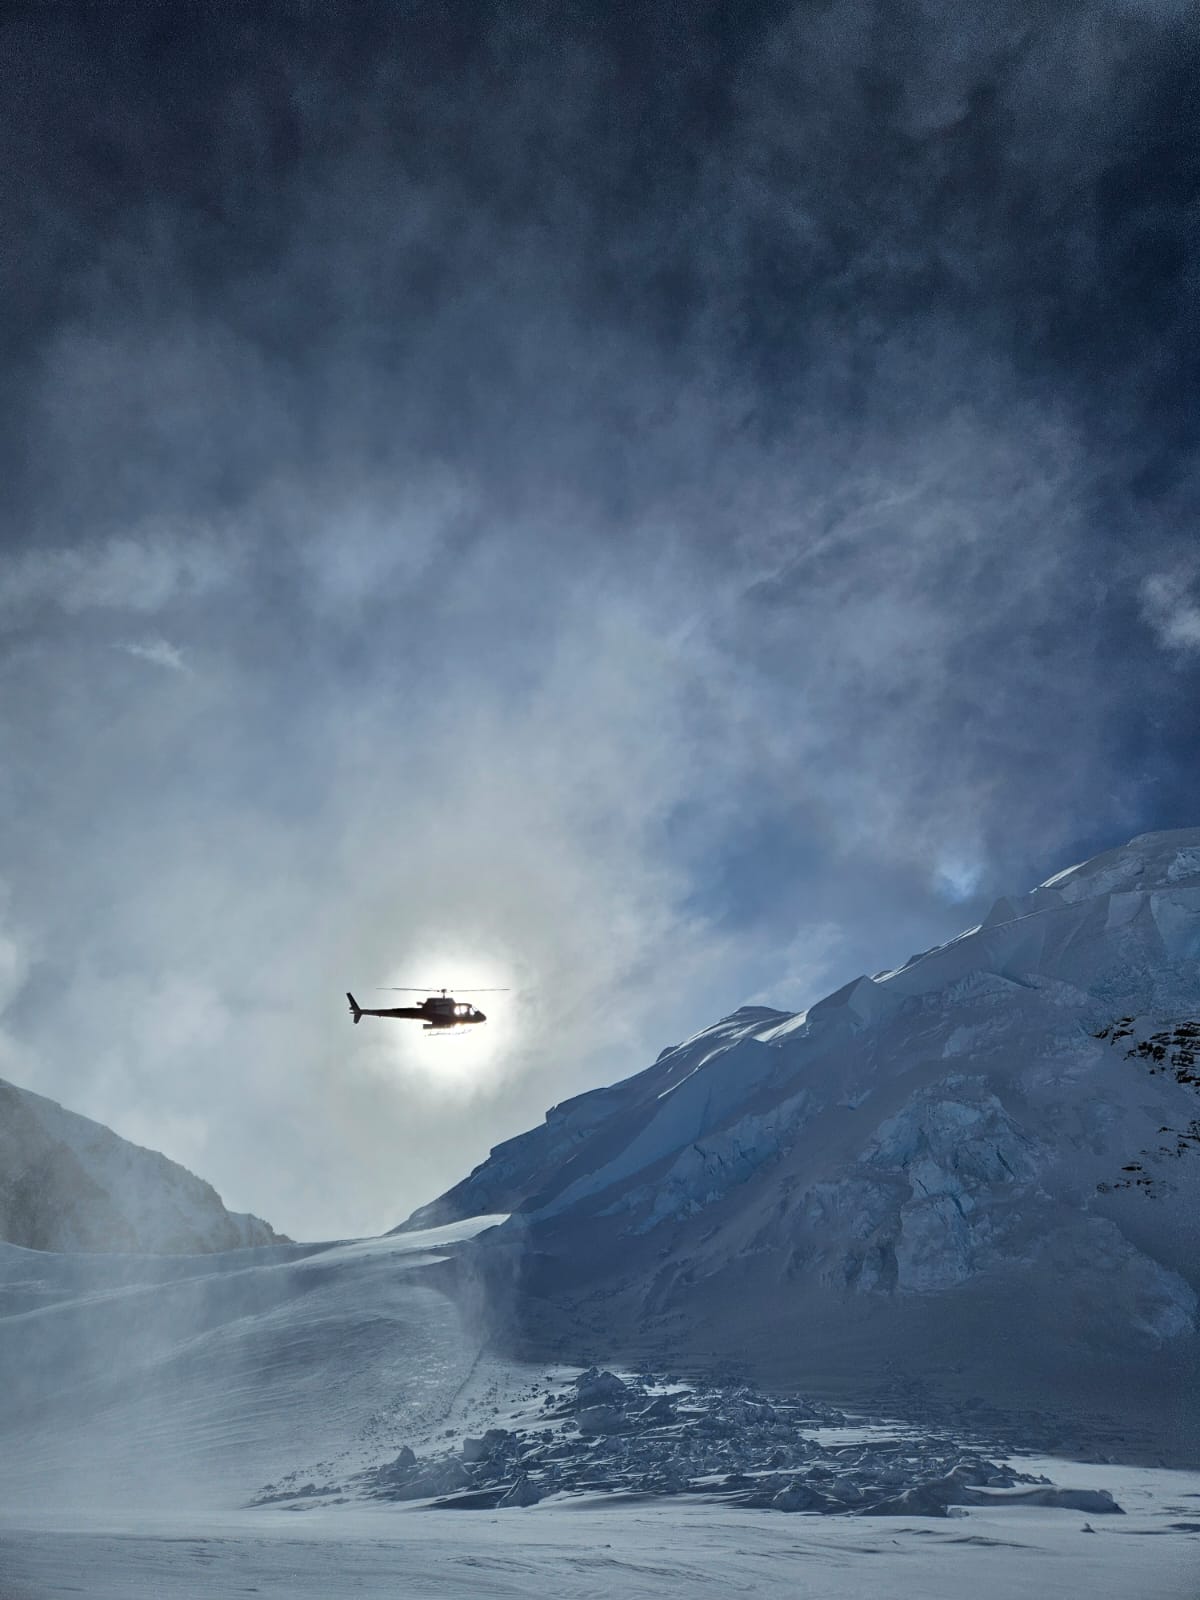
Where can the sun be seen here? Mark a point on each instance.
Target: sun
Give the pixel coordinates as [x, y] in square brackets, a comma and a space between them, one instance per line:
[467, 1057]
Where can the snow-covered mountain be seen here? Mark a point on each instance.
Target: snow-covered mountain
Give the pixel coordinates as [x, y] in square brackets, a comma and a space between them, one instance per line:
[982, 1166]
[67, 1183]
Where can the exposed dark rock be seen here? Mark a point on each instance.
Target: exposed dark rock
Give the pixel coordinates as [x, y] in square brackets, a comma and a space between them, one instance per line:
[522, 1493]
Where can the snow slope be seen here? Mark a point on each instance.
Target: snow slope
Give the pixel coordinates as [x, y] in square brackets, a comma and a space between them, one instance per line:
[67, 1183]
[927, 1171]
[194, 1380]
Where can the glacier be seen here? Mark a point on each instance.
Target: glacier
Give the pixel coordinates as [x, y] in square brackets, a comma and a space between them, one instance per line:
[932, 1162]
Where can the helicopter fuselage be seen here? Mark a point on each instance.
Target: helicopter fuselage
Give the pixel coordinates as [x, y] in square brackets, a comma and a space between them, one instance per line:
[438, 1011]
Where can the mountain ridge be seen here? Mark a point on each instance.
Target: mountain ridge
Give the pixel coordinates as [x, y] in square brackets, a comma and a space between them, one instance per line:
[68, 1183]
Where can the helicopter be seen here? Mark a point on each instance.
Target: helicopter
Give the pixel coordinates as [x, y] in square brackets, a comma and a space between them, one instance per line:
[436, 1010]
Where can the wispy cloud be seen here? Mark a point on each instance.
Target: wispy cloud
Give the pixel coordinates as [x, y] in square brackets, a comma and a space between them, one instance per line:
[158, 651]
[140, 572]
[1171, 606]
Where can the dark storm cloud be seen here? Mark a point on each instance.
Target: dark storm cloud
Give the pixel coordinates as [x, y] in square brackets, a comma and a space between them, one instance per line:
[648, 505]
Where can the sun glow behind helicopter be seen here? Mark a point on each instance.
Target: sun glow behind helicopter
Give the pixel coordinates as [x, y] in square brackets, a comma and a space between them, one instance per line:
[440, 1012]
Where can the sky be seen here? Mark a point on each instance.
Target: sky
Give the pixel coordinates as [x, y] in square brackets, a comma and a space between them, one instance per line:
[654, 507]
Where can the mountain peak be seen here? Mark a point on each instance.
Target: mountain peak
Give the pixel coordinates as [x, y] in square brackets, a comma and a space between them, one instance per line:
[1150, 861]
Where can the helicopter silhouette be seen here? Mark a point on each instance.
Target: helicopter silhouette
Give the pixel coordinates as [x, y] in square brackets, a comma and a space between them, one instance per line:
[436, 1010]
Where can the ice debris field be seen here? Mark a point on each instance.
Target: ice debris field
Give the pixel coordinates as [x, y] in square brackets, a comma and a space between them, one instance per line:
[598, 1432]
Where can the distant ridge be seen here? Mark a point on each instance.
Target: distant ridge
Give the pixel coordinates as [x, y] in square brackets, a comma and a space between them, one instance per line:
[70, 1184]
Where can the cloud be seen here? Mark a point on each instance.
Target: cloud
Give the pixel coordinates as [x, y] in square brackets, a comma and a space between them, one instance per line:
[803, 970]
[141, 573]
[654, 503]
[1171, 607]
[14, 959]
[159, 651]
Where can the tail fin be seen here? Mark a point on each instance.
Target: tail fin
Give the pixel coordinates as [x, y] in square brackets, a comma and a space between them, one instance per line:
[355, 1007]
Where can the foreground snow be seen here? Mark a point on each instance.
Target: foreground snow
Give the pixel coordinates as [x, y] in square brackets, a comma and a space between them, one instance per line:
[659, 1551]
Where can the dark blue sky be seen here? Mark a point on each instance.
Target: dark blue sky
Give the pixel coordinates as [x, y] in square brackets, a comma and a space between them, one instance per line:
[659, 505]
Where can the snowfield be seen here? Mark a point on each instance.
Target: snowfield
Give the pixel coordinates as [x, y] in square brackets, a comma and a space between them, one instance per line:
[161, 1398]
[668, 1551]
